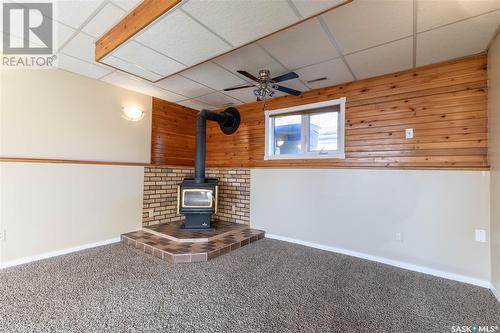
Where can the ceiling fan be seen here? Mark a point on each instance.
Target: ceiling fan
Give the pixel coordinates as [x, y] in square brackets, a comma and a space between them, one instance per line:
[266, 86]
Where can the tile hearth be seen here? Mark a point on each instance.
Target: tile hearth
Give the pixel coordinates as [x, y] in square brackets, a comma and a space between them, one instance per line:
[165, 241]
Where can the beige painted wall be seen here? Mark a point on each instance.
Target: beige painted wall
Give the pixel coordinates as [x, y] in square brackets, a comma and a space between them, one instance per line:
[52, 207]
[494, 158]
[58, 114]
[362, 210]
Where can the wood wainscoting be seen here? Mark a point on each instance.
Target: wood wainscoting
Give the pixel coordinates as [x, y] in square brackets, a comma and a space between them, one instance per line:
[445, 104]
[173, 134]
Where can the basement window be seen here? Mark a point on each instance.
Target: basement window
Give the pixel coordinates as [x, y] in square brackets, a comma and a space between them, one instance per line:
[306, 132]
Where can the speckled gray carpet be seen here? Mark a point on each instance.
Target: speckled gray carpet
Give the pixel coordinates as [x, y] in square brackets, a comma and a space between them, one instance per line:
[267, 286]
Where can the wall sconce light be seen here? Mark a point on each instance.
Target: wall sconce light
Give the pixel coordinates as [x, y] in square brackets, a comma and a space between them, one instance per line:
[132, 113]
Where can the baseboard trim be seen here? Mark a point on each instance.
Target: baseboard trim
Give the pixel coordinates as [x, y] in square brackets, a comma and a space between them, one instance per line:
[51, 254]
[495, 292]
[400, 264]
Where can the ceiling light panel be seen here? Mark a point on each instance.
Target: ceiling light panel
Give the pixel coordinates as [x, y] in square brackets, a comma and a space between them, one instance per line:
[457, 40]
[432, 13]
[240, 22]
[183, 86]
[182, 38]
[309, 8]
[213, 76]
[105, 19]
[147, 58]
[302, 45]
[365, 23]
[384, 59]
[335, 71]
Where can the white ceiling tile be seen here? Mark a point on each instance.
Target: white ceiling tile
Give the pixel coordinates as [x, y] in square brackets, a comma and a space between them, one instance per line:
[245, 95]
[127, 5]
[240, 22]
[213, 76]
[104, 20]
[80, 67]
[302, 45]
[366, 23]
[309, 8]
[183, 39]
[434, 13]
[81, 47]
[146, 58]
[384, 59]
[335, 71]
[183, 86]
[197, 105]
[217, 99]
[250, 58]
[132, 83]
[457, 40]
[61, 34]
[74, 12]
[131, 68]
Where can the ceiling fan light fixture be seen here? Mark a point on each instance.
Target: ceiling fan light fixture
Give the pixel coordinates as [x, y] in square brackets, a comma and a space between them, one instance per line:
[266, 85]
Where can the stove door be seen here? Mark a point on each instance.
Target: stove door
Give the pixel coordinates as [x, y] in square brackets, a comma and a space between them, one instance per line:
[197, 198]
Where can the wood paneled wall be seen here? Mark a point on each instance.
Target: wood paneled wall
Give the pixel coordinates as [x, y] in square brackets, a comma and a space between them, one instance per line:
[445, 104]
[173, 134]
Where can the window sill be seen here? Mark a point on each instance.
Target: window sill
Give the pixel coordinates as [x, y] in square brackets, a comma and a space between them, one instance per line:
[339, 156]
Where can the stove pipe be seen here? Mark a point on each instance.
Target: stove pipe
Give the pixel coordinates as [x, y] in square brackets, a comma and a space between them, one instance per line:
[229, 121]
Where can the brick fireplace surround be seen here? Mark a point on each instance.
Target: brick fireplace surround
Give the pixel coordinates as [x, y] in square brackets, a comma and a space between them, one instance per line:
[160, 194]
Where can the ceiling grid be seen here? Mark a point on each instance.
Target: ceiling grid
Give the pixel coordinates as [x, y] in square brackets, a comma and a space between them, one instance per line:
[352, 42]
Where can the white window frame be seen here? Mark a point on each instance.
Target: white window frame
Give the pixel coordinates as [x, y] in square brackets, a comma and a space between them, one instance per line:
[332, 154]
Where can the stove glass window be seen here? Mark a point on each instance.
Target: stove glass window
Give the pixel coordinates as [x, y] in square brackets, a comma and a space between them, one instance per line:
[197, 198]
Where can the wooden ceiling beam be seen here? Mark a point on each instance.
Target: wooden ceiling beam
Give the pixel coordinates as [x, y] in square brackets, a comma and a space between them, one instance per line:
[138, 19]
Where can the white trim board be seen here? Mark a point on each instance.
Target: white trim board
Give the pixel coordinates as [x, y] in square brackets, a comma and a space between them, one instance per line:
[51, 254]
[495, 292]
[400, 264]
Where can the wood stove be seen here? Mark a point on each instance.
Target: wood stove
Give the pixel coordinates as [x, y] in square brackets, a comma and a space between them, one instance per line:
[197, 201]
[197, 197]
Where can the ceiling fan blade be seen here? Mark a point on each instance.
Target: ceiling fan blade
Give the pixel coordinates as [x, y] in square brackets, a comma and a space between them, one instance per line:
[285, 77]
[248, 75]
[235, 88]
[287, 90]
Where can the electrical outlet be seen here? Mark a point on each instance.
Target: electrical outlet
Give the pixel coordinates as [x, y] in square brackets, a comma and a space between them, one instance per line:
[480, 235]
[399, 236]
[409, 133]
[151, 212]
[2, 235]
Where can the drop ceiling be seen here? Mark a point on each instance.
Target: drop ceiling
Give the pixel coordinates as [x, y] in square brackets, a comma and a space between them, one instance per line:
[362, 39]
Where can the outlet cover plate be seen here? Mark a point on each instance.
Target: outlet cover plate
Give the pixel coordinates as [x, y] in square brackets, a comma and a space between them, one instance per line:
[480, 235]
